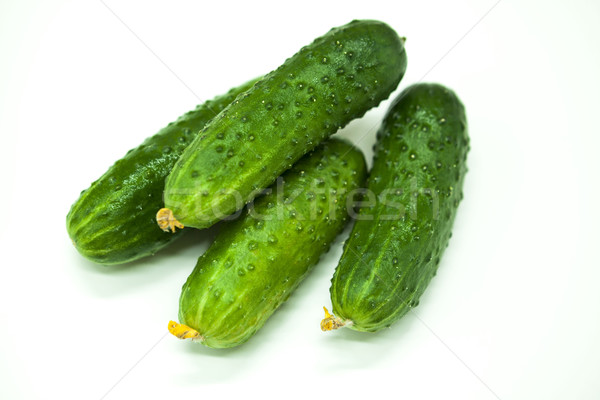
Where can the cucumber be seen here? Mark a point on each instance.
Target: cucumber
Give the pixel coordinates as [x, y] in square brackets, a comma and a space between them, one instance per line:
[257, 260]
[291, 110]
[113, 221]
[395, 246]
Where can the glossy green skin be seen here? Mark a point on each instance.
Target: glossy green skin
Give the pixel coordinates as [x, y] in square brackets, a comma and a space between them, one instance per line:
[257, 260]
[395, 247]
[320, 89]
[114, 220]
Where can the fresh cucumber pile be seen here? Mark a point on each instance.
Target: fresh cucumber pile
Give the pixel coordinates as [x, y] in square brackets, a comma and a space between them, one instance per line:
[260, 157]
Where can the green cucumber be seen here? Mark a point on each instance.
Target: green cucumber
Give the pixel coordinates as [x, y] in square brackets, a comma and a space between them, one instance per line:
[257, 260]
[396, 244]
[291, 110]
[113, 221]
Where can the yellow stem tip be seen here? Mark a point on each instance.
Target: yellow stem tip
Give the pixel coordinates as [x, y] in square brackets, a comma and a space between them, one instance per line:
[183, 331]
[331, 322]
[167, 221]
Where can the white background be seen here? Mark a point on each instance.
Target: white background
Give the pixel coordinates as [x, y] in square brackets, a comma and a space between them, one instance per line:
[513, 312]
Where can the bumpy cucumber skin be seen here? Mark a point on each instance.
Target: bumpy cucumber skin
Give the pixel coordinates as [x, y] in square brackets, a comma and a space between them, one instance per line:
[114, 220]
[320, 89]
[395, 247]
[257, 260]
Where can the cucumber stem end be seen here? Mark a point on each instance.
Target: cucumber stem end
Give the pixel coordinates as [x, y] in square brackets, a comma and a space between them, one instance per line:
[331, 322]
[167, 221]
[184, 332]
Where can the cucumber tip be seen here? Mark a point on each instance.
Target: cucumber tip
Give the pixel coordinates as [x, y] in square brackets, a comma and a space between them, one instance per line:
[183, 332]
[167, 221]
[331, 322]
